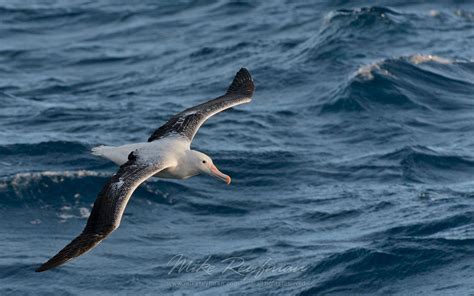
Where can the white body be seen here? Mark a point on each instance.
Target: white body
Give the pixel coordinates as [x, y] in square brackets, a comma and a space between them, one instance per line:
[119, 154]
[172, 153]
[171, 150]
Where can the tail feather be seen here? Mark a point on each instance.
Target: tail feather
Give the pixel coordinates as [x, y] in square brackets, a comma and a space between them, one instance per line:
[119, 155]
[99, 150]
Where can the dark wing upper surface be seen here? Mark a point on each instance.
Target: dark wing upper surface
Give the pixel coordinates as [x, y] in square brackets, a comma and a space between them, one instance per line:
[107, 210]
[188, 122]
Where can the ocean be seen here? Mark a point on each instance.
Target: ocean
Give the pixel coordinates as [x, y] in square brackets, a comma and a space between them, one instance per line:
[352, 168]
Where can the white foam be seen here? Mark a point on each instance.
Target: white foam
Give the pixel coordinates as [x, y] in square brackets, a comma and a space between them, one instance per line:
[56, 177]
[433, 13]
[68, 212]
[465, 14]
[84, 212]
[64, 217]
[366, 71]
[423, 58]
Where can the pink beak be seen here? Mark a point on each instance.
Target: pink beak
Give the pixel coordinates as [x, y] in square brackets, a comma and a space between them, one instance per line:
[218, 174]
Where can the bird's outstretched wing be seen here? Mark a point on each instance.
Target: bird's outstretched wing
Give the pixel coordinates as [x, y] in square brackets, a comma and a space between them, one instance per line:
[187, 123]
[108, 209]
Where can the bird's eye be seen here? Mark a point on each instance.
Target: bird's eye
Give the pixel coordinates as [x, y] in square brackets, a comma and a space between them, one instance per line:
[203, 161]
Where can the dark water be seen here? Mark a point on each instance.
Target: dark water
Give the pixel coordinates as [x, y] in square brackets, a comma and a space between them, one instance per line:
[353, 168]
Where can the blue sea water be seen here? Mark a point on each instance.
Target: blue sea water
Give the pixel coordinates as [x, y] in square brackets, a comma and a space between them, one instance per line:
[353, 167]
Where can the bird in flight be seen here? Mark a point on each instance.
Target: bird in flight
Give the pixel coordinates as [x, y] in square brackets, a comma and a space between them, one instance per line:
[167, 154]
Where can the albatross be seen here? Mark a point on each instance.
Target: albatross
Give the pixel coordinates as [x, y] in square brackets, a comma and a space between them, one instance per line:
[167, 154]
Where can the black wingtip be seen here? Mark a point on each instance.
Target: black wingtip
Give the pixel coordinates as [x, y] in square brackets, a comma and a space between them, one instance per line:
[242, 84]
[41, 269]
[78, 246]
[46, 266]
[51, 263]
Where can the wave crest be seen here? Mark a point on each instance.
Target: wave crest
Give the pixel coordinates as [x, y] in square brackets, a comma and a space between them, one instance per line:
[406, 83]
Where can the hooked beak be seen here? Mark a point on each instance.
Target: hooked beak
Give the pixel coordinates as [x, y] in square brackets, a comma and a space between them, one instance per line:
[216, 173]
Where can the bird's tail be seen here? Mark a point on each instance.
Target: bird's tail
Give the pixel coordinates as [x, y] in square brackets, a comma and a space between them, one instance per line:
[100, 150]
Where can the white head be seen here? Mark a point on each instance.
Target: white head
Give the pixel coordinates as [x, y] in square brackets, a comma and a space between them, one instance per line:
[203, 164]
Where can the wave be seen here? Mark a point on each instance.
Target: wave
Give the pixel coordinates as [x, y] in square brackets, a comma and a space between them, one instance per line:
[393, 254]
[422, 164]
[439, 228]
[42, 148]
[368, 269]
[207, 208]
[46, 156]
[354, 158]
[319, 216]
[416, 82]
[362, 17]
[51, 188]
[55, 187]
[343, 30]
[417, 164]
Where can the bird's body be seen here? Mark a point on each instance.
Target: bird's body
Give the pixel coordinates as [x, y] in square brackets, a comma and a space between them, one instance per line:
[173, 148]
[167, 154]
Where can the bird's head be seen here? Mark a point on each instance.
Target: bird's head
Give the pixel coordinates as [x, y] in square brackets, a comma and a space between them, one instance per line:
[204, 164]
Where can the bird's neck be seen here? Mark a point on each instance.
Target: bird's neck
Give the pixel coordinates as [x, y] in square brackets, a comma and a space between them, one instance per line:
[186, 166]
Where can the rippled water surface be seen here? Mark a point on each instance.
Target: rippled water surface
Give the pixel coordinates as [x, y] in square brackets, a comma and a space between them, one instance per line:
[353, 167]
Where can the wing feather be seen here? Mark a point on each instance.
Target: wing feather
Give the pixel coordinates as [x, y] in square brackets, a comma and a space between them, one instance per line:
[107, 211]
[188, 122]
